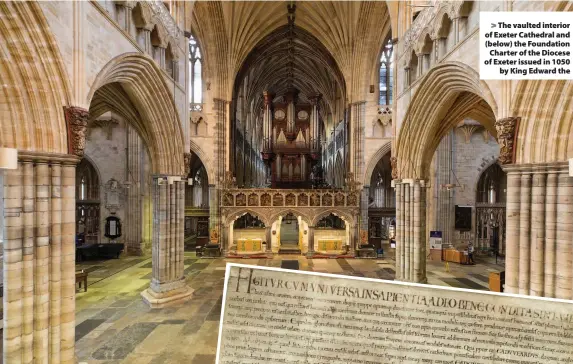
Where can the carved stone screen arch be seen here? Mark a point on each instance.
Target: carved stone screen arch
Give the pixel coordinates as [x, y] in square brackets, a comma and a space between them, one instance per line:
[490, 210]
[87, 203]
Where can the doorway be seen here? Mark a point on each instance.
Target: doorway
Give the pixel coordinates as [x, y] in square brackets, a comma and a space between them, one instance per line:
[289, 235]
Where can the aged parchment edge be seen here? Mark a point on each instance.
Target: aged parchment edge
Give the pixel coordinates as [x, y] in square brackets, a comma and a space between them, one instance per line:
[367, 279]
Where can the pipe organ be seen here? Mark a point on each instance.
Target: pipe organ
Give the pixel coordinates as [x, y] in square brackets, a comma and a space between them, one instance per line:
[291, 138]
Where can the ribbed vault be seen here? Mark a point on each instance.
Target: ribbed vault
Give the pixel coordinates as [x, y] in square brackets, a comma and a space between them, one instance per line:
[352, 32]
[266, 68]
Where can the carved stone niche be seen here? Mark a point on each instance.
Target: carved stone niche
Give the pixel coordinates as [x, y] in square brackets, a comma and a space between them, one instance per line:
[507, 129]
[114, 195]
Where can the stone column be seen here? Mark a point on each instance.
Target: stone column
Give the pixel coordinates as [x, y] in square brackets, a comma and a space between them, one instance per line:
[39, 259]
[550, 234]
[456, 25]
[407, 231]
[146, 34]
[420, 65]
[356, 146]
[512, 232]
[437, 51]
[399, 234]
[168, 280]
[539, 230]
[524, 234]
[364, 196]
[410, 230]
[213, 207]
[417, 232]
[268, 237]
[225, 237]
[564, 249]
[310, 252]
[537, 234]
[134, 209]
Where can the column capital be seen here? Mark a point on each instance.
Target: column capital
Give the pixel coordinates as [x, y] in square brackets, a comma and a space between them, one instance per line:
[30, 156]
[507, 129]
[76, 121]
[528, 168]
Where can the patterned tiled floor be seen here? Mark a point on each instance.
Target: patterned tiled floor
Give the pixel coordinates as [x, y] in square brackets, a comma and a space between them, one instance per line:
[113, 325]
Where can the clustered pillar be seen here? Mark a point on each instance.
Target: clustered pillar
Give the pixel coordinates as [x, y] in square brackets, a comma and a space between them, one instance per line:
[39, 259]
[410, 230]
[168, 280]
[539, 230]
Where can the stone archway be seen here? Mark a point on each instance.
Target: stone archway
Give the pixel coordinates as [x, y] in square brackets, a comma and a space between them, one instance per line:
[133, 86]
[447, 94]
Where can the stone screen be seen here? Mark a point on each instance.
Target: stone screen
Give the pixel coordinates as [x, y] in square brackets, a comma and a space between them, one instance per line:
[280, 316]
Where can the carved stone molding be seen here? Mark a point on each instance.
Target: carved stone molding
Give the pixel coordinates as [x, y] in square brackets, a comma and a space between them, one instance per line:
[384, 115]
[394, 165]
[506, 134]
[468, 130]
[76, 121]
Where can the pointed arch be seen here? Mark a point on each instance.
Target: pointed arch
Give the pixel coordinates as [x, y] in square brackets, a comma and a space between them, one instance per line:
[293, 211]
[137, 78]
[546, 126]
[34, 89]
[348, 218]
[385, 149]
[448, 93]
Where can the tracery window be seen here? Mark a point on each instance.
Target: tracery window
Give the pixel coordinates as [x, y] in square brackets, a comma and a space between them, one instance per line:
[195, 72]
[386, 73]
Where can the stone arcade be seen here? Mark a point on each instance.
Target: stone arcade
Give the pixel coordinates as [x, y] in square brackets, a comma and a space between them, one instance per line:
[281, 132]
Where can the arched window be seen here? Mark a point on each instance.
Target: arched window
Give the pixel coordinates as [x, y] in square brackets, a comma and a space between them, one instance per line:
[195, 79]
[386, 74]
[87, 203]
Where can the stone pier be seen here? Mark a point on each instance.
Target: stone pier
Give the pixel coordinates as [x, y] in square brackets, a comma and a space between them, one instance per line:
[539, 230]
[168, 280]
[39, 259]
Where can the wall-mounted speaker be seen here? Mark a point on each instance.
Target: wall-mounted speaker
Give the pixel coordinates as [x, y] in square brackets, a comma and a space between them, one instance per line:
[463, 219]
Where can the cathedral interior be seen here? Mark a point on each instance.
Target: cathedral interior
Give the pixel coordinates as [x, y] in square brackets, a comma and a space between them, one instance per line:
[158, 140]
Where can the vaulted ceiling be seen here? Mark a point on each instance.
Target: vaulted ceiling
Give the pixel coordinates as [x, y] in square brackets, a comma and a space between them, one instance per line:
[339, 41]
[267, 68]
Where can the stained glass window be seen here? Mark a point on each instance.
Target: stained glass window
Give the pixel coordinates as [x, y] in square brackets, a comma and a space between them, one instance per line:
[195, 72]
[386, 74]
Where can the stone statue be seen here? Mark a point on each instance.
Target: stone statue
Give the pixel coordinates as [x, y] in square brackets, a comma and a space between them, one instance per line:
[187, 161]
[394, 165]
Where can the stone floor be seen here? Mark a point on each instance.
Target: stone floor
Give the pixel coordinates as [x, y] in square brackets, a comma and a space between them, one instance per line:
[113, 325]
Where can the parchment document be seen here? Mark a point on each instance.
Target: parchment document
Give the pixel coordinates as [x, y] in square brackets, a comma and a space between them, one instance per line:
[278, 316]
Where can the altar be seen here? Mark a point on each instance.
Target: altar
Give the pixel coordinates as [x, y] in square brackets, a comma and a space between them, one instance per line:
[329, 245]
[247, 245]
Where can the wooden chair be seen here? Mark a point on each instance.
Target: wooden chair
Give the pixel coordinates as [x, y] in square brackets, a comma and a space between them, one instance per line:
[82, 277]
